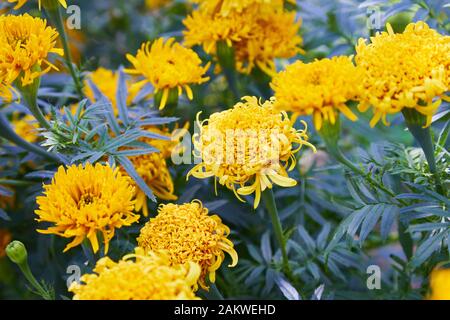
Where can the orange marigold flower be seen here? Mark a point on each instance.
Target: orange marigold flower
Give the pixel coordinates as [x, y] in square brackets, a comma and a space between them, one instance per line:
[404, 70]
[249, 147]
[25, 43]
[168, 65]
[320, 88]
[138, 276]
[83, 202]
[188, 233]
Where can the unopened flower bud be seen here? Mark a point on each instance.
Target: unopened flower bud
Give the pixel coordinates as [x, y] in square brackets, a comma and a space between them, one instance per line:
[17, 252]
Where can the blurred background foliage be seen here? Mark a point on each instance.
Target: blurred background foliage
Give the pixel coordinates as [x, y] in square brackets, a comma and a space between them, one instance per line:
[338, 224]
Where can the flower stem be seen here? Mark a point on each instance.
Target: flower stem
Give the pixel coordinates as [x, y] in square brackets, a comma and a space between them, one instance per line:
[215, 293]
[8, 133]
[423, 137]
[269, 200]
[54, 13]
[226, 58]
[25, 268]
[330, 134]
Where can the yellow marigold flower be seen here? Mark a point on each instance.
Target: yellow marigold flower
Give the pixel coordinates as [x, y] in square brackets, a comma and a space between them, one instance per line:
[320, 88]
[25, 43]
[251, 143]
[440, 284]
[168, 65]
[21, 3]
[224, 7]
[27, 128]
[82, 202]
[259, 34]
[407, 70]
[156, 4]
[107, 82]
[139, 276]
[188, 233]
[5, 239]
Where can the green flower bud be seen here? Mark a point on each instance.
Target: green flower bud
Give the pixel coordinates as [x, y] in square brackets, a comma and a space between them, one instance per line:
[17, 252]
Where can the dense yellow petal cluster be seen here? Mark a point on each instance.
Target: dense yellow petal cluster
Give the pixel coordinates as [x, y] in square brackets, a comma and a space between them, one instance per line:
[83, 202]
[320, 88]
[25, 43]
[188, 233]
[5, 239]
[139, 276]
[107, 82]
[21, 3]
[27, 128]
[224, 7]
[168, 65]
[251, 143]
[440, 285]
[259, 33]
[407, 70]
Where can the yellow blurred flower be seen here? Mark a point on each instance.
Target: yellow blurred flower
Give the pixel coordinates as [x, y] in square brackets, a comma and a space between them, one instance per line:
[251, 143]
[156, 4]
[83, 202]
[27, 128]
[25, 43]
[440, 284]
[224, 7]
[107, 82]
[168, 65]
[259, 34]
[5, 239]
[188, 233]
[138, 276]
[406, 70]
[320, 88]
[21, 3]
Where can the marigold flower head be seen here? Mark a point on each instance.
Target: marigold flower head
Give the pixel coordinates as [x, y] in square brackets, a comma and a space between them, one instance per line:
[188, 233]
[249, 147]
[440, 284]
[82, 202]
[5, 239]
[224, 7]
[27, 128]
[168, 65]
[25, 43]
[405, 70]
[107, 82]
[320, 88]
[21, 3]
[138, 276]
[259, 34]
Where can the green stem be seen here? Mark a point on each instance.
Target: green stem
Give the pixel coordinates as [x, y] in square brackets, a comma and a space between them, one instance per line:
[8, 133]
[423, 137]
[25, 268]
[54, 13]
[269, 200]
[36, 111]
[215, 293]
[29, 96]
[227, 61]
